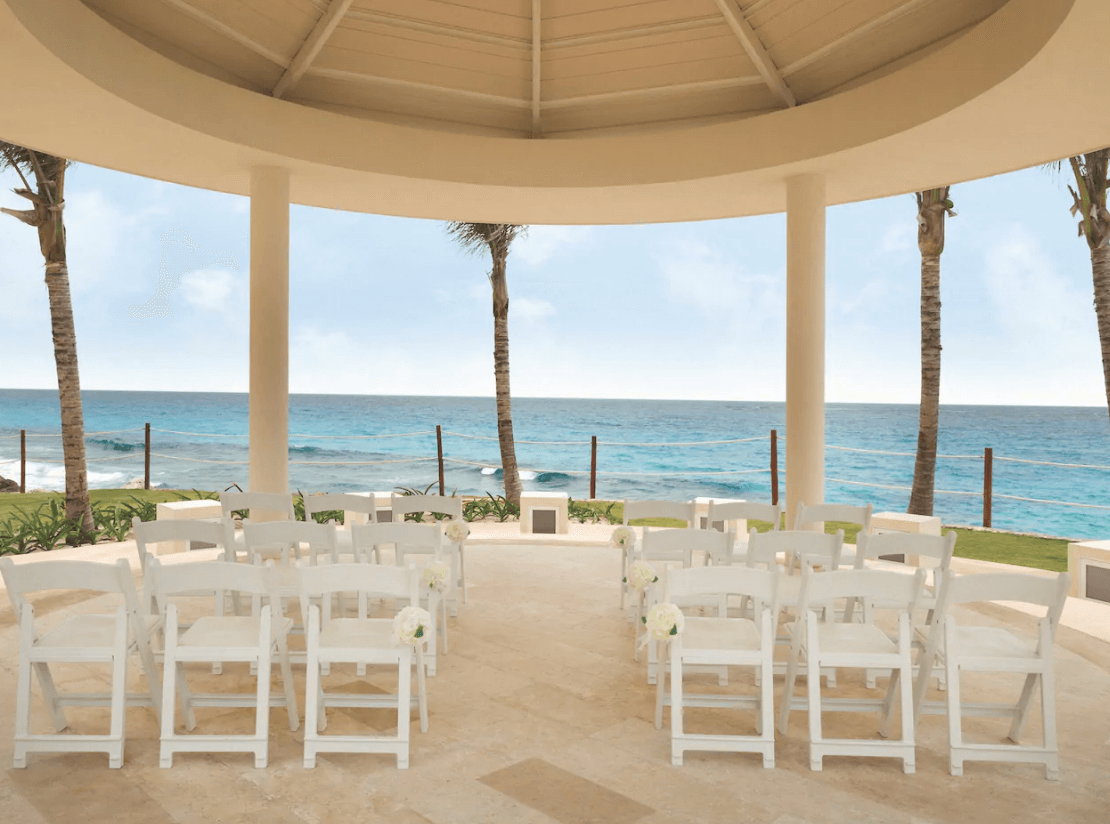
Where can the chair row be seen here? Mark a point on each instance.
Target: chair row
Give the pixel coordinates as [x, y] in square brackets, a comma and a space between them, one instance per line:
[818, 641]
[257, 638]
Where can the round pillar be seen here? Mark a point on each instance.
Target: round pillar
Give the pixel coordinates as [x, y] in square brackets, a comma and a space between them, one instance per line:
[805, 342]
[269, 330]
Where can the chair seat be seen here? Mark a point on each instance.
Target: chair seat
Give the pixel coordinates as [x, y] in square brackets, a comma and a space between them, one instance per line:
[719, 634]
[364, 633]
[235, 631]
[851, 639]
[82, 632]
[789, 590]
[992, 642]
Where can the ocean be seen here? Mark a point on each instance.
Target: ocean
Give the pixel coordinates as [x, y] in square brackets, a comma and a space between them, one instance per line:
[347, 442]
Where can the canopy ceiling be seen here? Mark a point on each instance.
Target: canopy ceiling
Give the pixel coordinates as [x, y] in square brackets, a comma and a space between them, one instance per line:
[557, 111]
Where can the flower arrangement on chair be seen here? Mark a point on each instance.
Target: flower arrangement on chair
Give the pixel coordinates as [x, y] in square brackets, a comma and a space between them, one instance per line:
[623, 537]
[663, 621]
[456, 531]
[410, 626]
[640, 574]
[437, 576]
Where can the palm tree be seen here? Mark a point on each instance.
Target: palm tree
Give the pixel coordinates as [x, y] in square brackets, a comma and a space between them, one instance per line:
[1089, 202]
[497, 238]
[47, 200]
[932, 206]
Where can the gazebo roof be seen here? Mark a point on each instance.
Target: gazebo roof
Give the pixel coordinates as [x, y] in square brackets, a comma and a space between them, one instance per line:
[556, 111]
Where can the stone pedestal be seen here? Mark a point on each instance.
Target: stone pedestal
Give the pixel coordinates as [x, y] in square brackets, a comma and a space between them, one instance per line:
[544, 512]
[701, 513]
[903, 522]
[1089, 565]
[185, 510]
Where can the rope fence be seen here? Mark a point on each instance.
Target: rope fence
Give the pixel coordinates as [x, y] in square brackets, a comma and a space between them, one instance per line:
[593, 472]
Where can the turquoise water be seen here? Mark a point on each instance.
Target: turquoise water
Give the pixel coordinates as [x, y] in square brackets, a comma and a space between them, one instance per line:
[1056, 434]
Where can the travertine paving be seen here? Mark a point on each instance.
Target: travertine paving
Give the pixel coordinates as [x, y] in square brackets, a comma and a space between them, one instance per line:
[539, 714]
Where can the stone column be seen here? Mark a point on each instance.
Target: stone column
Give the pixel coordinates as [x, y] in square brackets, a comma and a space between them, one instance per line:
[269, 330]
[805, 342]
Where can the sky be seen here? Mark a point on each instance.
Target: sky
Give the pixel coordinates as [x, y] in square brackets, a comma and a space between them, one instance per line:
[391, 306]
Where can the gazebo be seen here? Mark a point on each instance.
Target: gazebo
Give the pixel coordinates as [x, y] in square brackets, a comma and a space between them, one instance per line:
[559, 112]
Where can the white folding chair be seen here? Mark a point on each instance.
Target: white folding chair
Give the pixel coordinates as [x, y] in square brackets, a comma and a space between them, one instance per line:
[662, 548]
[817, 549]
[427, 543]
[722, 641]
[439, 506]
[262, 506]
[361, 641]
[190, 531]
[729, 511]
[287, 542]
[848, 644]
[996, 650]
[347, 502]
[933, 553]
[254, 639]
[80, 639]
[638, 510]
[846, 513]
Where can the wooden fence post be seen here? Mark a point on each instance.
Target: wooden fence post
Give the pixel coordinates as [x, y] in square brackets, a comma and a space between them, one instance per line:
[774, 467]
[988, 480]
[593, 467]
[439, 452]
[22, 460]
[146, 461]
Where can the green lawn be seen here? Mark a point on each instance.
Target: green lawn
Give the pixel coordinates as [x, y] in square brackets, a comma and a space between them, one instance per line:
[32, 500]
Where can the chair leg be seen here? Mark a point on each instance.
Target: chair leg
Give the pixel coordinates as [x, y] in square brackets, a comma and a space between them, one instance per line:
[311, 687]
[421, 688]
[170, 676]
[404, 706]
[1048, 710]
[660, 691]
[766, 716]
[813, 688]
[955, 718]
[462, 572]
[909, 764]
[23, 693]
[118, 723]
[1022, 707]
[791, 678]
[262, 697]
[50, 693]
[676, 703]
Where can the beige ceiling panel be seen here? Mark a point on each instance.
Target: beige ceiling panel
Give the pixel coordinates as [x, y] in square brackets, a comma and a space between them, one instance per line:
[276, 25]
[429, 103]
[445, 38]
[647, 78]
[638, 38]
[345, 47]
[559, 66]
[660, 126]
[414, 121]
[414, 71]
[509, 19]
[871, 13]
[630, 16]
[781, 18]
[675, 107]
[185, 34]
[265, 68]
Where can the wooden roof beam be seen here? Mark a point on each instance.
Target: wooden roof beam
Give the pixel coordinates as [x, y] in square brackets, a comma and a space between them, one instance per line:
[752, 45]
[535, 68]
[312, 45]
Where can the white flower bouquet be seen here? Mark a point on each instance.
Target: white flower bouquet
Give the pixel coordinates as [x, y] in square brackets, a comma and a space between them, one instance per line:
[456, 531]
[437, 576]
[663, 621]
[410, 626]
[640, 574]
[623, 537]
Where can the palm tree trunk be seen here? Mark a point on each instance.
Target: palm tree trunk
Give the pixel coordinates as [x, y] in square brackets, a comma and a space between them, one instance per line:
[924, 470]
[1100, 271]
[510, 472]
[69, 392]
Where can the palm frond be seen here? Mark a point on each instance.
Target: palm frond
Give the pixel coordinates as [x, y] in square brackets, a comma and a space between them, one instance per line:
[23, 161]
[475, 238]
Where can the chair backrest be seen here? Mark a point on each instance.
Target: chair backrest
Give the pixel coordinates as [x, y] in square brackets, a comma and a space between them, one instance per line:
[36, 576]
[280, 503]
[371, 580]
[346, 501]
[812, 547]
[407, 537]
[188, 530]
[679, 510]
[1048, 592]
[744, 510]
[940, 547]
[284, 537]
[431, 504]
[849, 513]
[664, 544]
[207, 576]
[734, 580]
[880, 587]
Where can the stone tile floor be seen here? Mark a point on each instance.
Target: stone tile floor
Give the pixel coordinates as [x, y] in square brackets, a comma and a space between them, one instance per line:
[539, 714]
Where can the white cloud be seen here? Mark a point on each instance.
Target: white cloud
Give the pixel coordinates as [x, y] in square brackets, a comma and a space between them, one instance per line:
[544, 242]
[213, 290]
[899, 237]
[530, 309]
